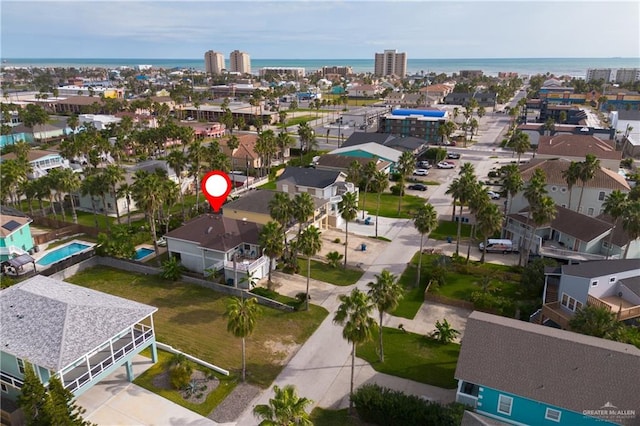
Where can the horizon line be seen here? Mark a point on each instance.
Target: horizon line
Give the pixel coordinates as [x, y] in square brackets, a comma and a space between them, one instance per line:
[337, 59]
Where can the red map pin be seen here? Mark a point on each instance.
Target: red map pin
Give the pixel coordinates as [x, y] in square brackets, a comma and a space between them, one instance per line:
[216, 185]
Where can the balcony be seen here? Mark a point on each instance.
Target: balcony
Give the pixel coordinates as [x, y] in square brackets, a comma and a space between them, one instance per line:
[623, 309]
[553, 311]
[246, 264]
[84, 370]
[8, 379]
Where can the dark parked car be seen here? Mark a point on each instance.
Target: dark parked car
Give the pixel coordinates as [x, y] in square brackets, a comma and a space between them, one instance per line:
[418, 187]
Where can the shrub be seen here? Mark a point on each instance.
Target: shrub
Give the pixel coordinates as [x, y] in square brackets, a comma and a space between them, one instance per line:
[384, 406]
[337, 241]
[397, 189]
[171, 269]
[334, 258]
[265, 292]
[180, 371]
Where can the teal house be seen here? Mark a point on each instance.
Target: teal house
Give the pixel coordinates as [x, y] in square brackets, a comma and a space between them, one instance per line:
[522, 373]
[370, 151]
[75, 333]
[15, 233]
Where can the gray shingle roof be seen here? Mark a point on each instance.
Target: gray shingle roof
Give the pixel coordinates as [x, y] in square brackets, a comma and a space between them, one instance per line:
[358, 138]
[312, 178]
[599, 268]
[258, 202]
[556, 367]
[52, 323]
[215, 232]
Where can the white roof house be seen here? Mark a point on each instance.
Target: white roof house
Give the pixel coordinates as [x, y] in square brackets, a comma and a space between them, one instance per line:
[371, 148]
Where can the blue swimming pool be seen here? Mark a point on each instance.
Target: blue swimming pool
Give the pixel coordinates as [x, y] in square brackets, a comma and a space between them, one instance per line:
[62, 253]
[142, 252]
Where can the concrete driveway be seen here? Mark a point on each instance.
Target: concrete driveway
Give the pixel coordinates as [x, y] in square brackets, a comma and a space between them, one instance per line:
[115, 401]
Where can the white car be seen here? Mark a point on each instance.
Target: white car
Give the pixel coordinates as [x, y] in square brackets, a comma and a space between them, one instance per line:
[421, 172]
[493, 195]
[446, 165]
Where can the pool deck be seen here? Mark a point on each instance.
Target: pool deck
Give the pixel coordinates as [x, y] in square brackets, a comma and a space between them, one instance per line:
[41, 254]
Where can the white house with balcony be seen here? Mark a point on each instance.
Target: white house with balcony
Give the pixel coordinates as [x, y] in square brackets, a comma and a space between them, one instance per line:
[612, 284]
[329, 185]
[595, 192]
[41, 161]
[75, 333]
[211, 243]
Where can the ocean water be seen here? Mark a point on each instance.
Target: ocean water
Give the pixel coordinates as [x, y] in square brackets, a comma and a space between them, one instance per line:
[576, 67]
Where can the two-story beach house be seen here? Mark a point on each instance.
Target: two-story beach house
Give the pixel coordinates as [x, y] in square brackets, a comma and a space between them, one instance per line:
[211, 242]
[611, 284]
[328, 185]
[75, 333]
[41, 161]
[519, 373]
[15, 233]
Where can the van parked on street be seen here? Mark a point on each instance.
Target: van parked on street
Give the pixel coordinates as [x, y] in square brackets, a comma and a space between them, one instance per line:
[496, 246]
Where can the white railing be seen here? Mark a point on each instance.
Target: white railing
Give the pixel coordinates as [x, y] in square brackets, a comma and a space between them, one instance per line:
[570, 254]
[467, 399]
[242, 266]
[11, 250]
[146, 332]
[10, 380]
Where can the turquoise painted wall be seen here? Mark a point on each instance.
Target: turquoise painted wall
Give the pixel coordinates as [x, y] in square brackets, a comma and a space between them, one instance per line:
[20, 238]
[527, 411]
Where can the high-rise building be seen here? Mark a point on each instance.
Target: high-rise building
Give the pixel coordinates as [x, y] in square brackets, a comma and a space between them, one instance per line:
[390, 63]
[627, 75]
[214, 62]
[240, 62]
[595, 74]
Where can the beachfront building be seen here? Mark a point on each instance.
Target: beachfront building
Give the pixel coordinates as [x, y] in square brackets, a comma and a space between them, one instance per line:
[390, 63]
[335, 72]
[75, 333]
[595, 74]
[240, 62]
[214, 62]
[627, 75]
[294, 73]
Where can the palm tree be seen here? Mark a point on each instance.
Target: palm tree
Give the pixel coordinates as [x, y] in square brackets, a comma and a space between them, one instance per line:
[615, 205]
[380, 183]
[146, 194]
[520, 143]
[281, 210]
[425, 221]
[571, 175]
[533, 193]
[512, 183]
[70, 183]
[354, 314]
[594, 321]
[488, 222]
[631, 223]
[444, 332]
[368, 171]
[385, 293]
[588, 170]
[309, 244]
[404, 166]
[177, 160]
[284, 141]
[461, 189]
[196, 160]
[286, 408]
[302, 209]
[113, 175]
[270, 239]
[125, 191]
[543, 212]
[242, 315]
[348, 208]
[307, 138]
[89, 187]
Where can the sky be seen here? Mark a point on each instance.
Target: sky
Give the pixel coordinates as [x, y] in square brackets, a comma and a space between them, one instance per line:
[318, 29]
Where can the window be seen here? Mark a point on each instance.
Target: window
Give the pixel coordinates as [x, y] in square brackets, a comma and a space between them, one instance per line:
[570, 303]
[594, 283]
[601, 196]
[554, 188]
[4, 388]
[469, 389]
[553, 415]
[578, 305]
[612, 279]
[504, 404]
[20, 365]
[590, 211]
[565, 299]
[563, 190]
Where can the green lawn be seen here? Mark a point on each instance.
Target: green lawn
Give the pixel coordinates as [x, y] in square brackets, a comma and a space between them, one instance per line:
[323, 272]
[461, 286]
[190, 318]
[413, 295]
[450, 229]
[389, 205]
[413, 356]
[227, 384]
[271, 185]
[294, 121]
[325, 417]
